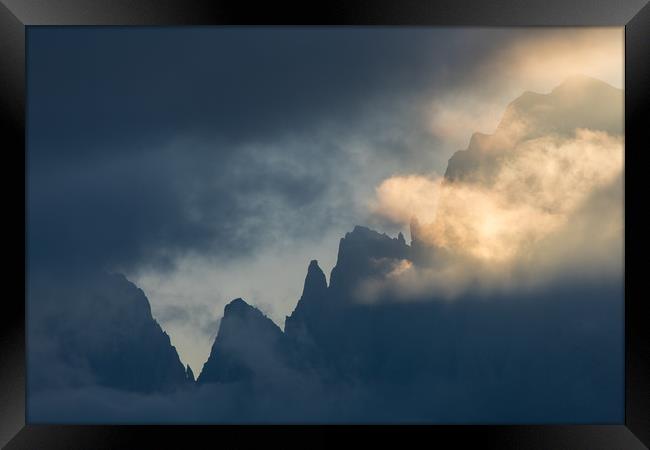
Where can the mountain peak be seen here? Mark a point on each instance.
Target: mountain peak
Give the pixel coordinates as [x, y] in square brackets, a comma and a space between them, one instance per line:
[238, 311]
[364, 234]
[580, 81]
[357, 249]
[366, 240]
[314, 290]
[244, 334]
[237, 306]
[315, 282]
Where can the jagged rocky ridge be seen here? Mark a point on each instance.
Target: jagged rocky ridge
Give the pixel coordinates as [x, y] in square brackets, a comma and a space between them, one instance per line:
[249, 343]
[343, 339]
[397, 344]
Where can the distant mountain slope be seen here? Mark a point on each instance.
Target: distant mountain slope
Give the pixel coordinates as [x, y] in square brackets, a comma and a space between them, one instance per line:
[248, 345]
[579, 102]
[98, 330]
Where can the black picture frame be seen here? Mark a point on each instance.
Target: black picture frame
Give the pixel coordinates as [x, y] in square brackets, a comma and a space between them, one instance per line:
[17, 15]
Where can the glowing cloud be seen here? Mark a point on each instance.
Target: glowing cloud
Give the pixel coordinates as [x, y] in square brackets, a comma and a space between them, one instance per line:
[400, 198]
[535, 191]
[511, 201]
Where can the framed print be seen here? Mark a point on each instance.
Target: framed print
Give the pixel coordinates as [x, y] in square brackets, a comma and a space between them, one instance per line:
[298, 223]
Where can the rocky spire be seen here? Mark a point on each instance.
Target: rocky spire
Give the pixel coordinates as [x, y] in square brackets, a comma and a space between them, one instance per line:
[315, 282]
[314, 293]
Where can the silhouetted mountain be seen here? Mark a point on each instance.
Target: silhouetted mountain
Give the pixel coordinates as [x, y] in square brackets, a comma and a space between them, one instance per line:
[98, 330]
[248, 345]
[363, 253]
[324, 315]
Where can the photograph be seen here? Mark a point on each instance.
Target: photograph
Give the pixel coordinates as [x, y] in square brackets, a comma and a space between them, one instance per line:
[325, 225]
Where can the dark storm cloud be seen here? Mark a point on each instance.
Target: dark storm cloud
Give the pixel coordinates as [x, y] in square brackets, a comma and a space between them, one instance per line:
[146, 142]
[146, 206]
[106, 86]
